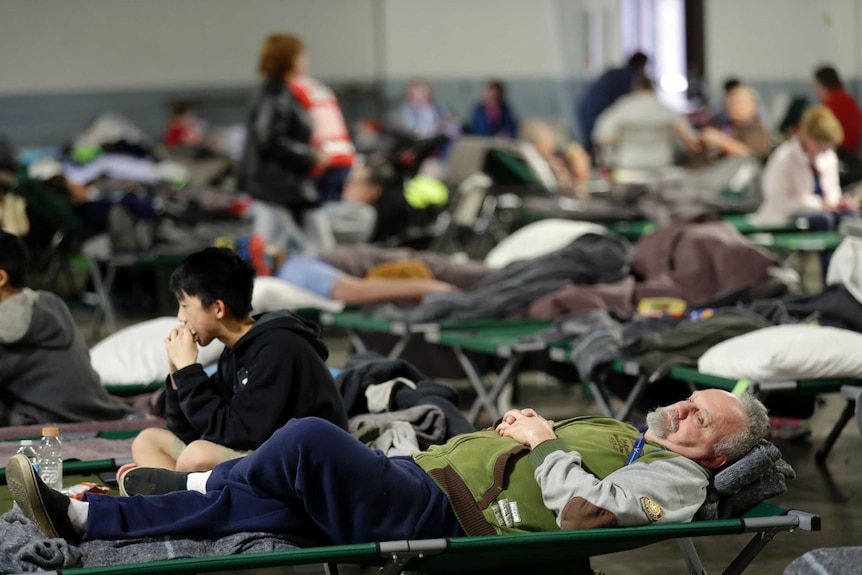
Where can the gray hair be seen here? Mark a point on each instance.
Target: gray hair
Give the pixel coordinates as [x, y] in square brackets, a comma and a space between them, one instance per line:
[736, 445]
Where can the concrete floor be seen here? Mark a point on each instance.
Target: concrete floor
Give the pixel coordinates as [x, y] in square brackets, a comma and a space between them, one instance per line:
[833, 491]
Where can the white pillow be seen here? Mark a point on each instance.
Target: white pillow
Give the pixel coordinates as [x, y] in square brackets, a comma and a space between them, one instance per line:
[786, 353]
[272, 293]
[538, 239]
[136, 354]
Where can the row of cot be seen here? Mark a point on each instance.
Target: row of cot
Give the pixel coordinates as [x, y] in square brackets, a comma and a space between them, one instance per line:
[510, 341]
[551, 551]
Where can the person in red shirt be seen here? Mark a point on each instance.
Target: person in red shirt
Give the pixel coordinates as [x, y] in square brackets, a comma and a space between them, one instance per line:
[830, 90]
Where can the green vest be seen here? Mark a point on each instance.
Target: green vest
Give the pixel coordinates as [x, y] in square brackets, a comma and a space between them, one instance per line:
[478, 470]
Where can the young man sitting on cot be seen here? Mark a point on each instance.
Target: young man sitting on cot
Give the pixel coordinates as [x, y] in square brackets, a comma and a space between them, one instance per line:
[315, 481]
[272, 370]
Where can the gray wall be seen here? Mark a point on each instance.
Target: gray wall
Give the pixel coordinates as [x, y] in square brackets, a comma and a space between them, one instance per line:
[62, 63]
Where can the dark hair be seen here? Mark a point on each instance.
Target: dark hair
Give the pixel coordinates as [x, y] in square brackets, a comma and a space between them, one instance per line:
[8, 155]
[638, 60]
[13, 259]
[380, 171]
[641, 82]
[278, 55]
[828, 77]
[500, 88]
[216, 274]
[731, 84]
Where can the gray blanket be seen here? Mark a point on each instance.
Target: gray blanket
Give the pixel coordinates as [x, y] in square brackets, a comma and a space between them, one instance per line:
[24, 548]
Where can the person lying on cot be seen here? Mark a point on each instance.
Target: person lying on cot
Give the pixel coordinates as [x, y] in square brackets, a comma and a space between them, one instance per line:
[45, 370]
[409, 280]
[315, 481]
[271, 370]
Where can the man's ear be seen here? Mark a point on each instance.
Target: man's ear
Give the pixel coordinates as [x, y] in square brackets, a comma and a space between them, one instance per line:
[220, 309]
[4, 278]
[714, 462]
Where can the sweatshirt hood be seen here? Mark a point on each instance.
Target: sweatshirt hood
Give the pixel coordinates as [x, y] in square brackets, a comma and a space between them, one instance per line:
[32, 316]
[284, 320]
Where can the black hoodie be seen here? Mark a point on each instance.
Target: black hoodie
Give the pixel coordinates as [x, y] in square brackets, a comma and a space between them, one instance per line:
[275, 372]
[45, 370]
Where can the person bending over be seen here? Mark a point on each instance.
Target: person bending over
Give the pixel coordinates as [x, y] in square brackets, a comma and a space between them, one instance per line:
[272, 370]
[315, 481]
[45, 370]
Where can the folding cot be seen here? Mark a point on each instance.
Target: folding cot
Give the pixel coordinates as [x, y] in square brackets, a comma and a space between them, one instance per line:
[103, 285]
[635, 229]
[499, 338]
[354, 321]
[851, 394]
[559, 352]
[562, 551]
[495, 337]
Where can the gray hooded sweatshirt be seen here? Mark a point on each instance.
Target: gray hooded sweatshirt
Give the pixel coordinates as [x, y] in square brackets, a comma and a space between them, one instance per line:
[45, 370]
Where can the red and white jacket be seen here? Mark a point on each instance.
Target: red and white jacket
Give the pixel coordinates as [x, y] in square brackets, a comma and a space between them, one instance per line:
[328, 128]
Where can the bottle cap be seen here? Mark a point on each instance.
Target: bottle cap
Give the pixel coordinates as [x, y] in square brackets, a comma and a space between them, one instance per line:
[26, 442]
[50, 431]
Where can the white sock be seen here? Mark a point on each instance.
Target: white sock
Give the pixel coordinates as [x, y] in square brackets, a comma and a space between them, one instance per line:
[197, 481]
[78, 512]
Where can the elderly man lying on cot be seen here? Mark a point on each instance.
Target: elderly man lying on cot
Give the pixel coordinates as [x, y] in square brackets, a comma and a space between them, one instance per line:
[315, 482]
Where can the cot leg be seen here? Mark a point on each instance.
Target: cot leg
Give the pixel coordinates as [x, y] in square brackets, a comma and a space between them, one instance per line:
[692, 559]
[633, 396]
[484, 398]
[356, 341]
[749, 552]
[599, 397]
[399, 346]
[848, 413]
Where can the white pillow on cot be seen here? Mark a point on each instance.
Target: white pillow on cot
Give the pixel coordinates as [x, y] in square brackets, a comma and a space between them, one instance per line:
[786, 353]
[136, 354]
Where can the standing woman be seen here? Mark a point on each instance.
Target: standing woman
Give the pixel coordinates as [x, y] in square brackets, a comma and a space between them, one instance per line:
[278, 158]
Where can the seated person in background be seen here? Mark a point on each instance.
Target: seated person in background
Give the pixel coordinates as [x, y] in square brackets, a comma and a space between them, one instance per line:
[493, 116]
[184, 129]
[315, 481]
[272, 370]
[571, 169]
[373, 205]
[720, 118]
[45, 370]
[420, 116]
[639, 132]
[801, 176]
[739, 132]
[830, 90]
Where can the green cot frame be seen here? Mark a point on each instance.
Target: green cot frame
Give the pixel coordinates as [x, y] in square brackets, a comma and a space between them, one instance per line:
[635, 229]
[496, 337]
[562, 551]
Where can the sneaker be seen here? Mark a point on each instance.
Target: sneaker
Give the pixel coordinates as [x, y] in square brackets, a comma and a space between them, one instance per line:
[121, 472]
[47, 507]
[152, 481]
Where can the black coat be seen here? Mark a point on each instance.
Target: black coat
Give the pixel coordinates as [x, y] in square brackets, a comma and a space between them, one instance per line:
[278, 156]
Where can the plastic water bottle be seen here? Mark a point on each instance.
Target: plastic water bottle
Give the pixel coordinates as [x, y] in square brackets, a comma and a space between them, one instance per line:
[51, 458]
[28, 451]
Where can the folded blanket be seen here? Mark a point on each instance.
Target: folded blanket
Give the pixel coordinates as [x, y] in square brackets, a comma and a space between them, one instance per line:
[24, 548]
[758, 475]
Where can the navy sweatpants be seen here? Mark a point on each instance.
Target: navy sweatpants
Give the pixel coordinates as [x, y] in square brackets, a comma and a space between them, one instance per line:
[311, 479]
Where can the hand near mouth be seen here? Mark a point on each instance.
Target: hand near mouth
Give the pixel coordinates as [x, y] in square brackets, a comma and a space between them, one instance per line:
[182, 347]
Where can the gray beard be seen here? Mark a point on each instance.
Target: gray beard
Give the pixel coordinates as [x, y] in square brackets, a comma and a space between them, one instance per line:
[662, 421]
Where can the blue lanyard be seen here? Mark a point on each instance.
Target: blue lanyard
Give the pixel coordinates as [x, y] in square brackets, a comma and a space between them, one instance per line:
[637, 450]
